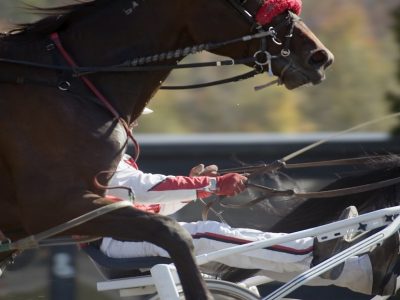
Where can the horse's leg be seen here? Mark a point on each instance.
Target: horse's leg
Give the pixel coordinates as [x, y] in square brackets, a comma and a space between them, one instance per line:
[10, 226]
[133, 224]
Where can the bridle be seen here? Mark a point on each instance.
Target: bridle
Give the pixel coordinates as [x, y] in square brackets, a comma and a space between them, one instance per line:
[262, 56]
[261, 59]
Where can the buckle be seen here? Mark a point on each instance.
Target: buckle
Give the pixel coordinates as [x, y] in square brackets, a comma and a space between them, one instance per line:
[64, 86]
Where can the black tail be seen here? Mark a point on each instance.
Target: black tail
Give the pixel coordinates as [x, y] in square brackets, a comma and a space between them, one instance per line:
[319, 211]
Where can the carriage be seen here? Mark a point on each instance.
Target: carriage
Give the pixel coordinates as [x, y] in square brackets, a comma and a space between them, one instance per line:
[162, 281]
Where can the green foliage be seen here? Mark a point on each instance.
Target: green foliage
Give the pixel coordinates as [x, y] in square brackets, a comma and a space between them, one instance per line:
[357, 82]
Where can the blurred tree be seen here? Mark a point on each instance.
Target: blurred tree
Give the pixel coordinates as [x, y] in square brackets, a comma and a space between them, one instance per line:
[394, 98]
[355, 89]
[353, 92]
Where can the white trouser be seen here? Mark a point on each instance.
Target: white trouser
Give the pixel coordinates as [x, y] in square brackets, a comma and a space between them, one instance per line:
[356, 276]
[278, 261]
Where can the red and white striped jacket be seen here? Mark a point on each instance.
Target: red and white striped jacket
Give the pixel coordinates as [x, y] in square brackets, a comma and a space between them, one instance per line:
[158, 193]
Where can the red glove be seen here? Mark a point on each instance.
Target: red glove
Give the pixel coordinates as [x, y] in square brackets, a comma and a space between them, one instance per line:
[230, 184]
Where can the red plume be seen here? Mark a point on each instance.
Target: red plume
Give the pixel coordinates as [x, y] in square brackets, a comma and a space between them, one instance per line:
[272, 8]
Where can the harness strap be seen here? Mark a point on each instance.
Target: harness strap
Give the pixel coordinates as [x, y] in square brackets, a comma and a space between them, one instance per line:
[212, 83]
[57, 41]
[33, 241]
[239, 8]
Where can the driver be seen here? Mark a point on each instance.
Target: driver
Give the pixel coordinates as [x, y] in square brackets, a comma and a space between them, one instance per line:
[370, 273]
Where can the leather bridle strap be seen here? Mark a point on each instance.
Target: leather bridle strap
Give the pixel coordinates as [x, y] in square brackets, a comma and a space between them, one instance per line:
[212, 83]
[56, 39]
[91, 86]
[239, 7]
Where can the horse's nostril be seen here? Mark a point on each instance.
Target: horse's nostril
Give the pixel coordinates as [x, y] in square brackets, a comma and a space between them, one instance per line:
[320, 58]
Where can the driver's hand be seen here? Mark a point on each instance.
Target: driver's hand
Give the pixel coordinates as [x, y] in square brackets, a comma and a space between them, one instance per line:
[230, 184]
[200, 170]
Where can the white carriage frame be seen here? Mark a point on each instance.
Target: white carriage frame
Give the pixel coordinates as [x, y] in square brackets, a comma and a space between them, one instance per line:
[165, 282]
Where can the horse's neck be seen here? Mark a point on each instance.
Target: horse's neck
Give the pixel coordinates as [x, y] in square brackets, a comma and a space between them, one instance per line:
[124, 32]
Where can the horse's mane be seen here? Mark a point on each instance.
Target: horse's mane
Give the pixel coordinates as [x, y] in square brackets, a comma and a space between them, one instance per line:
[55, 18]
[389, 161]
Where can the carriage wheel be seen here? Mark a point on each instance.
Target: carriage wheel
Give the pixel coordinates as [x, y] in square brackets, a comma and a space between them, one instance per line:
[224, 290]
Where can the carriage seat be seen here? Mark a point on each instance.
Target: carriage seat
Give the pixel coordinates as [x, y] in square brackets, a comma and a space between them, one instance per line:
[113, 268]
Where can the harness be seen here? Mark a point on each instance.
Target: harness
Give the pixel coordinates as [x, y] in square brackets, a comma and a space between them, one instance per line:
[261, 60]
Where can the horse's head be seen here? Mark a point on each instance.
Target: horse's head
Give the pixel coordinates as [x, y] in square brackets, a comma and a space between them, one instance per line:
[288, 49]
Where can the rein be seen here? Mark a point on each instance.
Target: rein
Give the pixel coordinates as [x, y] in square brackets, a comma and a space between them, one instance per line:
[267, 168]
[277, 165]
[292, 193]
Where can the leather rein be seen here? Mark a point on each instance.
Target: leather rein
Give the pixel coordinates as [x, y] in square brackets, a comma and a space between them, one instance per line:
[275, 166]
[279, 165]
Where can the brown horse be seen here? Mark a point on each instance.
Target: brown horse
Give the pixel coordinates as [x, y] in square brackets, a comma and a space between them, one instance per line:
[56, 136]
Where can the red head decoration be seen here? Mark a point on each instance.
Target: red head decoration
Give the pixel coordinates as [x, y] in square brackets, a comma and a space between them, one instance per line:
[272, 8]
